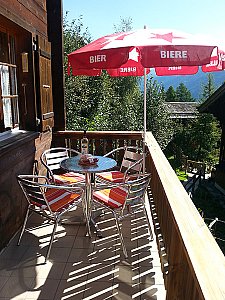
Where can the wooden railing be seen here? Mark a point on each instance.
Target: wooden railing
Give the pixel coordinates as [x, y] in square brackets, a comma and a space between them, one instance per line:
[100, 142]
[192, 262]
[196, 265]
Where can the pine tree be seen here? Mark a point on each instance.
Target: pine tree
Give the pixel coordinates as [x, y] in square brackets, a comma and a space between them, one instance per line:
[209, 88]
[183, 94]
[199, 138]
[171, 95]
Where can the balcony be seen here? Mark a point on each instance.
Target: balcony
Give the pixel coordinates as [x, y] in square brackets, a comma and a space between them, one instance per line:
[184, 260]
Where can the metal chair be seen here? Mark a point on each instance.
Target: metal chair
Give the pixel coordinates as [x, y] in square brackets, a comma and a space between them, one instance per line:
[132, 163]
[52, 158]
[48, 200]
[117, 197]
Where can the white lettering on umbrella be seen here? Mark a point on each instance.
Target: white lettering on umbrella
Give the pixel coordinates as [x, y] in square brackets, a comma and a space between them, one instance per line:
[173, 54]
[212, 63]
[174, 68]
[128, 69]
[97, 58]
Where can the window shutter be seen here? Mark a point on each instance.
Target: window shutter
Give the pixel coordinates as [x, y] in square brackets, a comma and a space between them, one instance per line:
[45, 78]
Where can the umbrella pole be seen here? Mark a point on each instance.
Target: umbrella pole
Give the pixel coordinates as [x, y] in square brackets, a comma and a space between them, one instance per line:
[144, 135]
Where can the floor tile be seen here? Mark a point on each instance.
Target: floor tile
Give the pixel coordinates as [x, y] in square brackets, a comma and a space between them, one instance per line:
[80, 267]
[70, 290]
[102, 272]
[98, 290]
[83, 242]
[76, 271]
[59, 254]
[3, 280]
[17, 287]
[125, 291]
[43, 288]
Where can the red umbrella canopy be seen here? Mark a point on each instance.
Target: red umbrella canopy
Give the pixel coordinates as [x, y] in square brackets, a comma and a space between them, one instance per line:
[171, 52]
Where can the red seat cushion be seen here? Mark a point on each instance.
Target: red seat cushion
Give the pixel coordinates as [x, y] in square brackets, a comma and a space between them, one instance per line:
[115, 176]
[113, 198]
[69, 177]
[59, 199]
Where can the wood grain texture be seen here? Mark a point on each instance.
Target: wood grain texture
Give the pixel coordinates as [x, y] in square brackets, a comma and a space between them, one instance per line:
[29, 14]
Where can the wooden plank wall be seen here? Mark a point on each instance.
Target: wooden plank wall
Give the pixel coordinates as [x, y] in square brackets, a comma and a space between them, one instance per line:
[29, 14]
[25, 19]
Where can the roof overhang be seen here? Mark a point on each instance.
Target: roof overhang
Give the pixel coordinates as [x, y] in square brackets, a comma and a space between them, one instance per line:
[212, 101]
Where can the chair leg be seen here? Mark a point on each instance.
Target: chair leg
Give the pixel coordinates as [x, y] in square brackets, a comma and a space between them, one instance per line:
[24, 225]
[51, 241]
[121, 236]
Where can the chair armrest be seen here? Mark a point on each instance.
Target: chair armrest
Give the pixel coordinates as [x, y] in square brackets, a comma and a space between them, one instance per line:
[73, 151]
[114, 150]
[131, 166]
[79, 187]
[35, 178]
[121, 148]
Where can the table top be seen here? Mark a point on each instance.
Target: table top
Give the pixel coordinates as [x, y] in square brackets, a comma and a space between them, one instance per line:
[72, 164]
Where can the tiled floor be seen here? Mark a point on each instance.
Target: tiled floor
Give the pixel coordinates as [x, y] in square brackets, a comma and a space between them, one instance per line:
[81, 267]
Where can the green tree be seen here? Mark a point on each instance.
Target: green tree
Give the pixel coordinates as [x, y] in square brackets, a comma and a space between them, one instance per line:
[171, 95]
[99, 103]
[118, 111]
[209, 88]
[207, 129]
[183, 94]
[124, 25]
[158, 120]
[81, 92]
[199, 138]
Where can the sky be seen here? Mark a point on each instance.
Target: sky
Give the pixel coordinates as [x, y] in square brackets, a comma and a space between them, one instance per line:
[192, 16]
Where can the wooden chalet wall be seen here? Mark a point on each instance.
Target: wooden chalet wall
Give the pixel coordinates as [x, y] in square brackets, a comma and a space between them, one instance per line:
[40, 89]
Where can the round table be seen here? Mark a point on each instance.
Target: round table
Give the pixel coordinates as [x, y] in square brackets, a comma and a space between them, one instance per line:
[103, 164]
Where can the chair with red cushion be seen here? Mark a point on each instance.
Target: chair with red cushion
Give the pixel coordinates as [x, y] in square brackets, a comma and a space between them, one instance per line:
[132, 163]
[52, 158]
[48, 200]
[117, 197]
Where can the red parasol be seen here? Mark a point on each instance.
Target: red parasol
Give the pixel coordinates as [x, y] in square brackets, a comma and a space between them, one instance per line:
[132, 53]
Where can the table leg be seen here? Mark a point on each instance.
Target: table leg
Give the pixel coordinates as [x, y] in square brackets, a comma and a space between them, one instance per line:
[88, 206]
[87, 201]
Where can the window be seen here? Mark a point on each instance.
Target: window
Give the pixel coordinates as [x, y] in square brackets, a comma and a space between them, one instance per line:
[9, 112]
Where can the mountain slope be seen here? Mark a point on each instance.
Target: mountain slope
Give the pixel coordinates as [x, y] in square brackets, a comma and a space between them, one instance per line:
[192, 82]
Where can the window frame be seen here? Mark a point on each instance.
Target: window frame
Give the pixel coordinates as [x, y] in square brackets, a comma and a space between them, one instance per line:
[9, 120]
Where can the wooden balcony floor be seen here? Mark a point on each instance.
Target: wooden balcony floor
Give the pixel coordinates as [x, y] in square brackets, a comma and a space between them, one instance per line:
[80, 267]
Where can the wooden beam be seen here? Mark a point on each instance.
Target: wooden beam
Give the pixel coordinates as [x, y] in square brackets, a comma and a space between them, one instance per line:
[55, 34]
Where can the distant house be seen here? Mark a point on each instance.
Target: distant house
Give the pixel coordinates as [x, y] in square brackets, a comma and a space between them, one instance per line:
[182, 110]
[215, 105]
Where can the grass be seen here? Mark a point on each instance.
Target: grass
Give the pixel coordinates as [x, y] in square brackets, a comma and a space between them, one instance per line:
[176, 166]
[181, 174]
